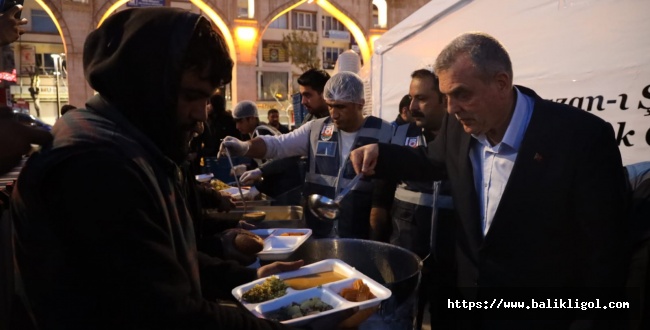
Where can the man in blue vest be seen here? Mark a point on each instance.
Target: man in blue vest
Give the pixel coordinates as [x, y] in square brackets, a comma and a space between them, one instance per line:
[404, 115]
[412, 208]
[327, 142]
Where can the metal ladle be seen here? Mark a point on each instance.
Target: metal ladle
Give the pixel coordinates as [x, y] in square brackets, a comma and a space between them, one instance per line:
[327, 208]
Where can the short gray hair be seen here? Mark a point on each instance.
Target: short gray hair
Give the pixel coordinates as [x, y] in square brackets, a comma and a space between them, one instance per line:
[486, 53]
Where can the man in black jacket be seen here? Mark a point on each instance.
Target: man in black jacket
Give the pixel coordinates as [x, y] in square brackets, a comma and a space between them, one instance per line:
[310, 85]
[105, 239]
[537, 186]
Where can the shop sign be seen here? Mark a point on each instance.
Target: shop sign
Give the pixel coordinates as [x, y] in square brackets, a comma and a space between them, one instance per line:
[145, 3]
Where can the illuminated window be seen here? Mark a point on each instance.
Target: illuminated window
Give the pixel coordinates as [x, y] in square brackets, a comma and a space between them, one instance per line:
[375, 16]
[272, 86]
[279, 23]
[331, 24]
[379, 13]
[242, 8]
[245, 8]
[330, 55]
[41, 22]
[304, 20]
[45, 64]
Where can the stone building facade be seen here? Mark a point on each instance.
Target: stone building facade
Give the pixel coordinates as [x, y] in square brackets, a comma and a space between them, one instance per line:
[244, 23]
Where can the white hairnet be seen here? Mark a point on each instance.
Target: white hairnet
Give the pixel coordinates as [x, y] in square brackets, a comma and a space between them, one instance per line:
[244, 109]
[344, 86]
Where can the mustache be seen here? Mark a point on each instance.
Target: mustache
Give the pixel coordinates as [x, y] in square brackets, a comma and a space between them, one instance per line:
[417, 113]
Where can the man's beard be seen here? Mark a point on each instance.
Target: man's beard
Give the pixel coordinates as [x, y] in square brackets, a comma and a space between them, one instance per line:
[180, 139]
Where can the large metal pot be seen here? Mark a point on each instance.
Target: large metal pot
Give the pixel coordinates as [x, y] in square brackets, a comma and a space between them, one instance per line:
[396, 268]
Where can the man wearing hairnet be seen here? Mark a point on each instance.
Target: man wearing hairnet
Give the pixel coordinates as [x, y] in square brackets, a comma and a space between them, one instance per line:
[247, 120]
[328, 142]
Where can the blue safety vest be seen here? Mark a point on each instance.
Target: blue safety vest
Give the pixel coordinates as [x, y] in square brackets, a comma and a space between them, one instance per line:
[325, 175]
[412, 209]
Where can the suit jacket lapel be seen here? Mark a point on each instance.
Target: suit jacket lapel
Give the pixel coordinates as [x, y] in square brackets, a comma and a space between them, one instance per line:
[528, 167]
[472, 223]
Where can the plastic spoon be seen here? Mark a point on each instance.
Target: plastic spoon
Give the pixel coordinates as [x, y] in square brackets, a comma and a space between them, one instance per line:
[236, 179]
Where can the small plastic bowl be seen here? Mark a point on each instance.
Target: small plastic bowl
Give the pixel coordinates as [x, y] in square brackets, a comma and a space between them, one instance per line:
[255, 216]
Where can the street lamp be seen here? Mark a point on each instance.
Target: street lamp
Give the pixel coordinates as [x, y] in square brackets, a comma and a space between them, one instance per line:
[57, 73]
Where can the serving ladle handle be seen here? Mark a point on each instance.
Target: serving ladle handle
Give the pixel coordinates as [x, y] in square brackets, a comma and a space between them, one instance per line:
[348, 188]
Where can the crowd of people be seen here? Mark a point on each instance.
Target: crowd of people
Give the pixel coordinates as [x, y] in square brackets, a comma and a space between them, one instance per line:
[475, 176]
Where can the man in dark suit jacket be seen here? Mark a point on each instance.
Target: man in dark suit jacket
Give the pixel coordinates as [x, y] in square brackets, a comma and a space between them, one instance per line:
[537, 185]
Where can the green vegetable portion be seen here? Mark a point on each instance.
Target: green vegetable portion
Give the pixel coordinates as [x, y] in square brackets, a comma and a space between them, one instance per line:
[308, 307]
[271, 288]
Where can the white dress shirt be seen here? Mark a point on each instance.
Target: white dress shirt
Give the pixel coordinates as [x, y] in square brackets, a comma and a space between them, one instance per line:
[492, 165]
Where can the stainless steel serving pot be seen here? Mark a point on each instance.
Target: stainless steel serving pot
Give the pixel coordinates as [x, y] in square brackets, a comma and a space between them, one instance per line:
[394, 267]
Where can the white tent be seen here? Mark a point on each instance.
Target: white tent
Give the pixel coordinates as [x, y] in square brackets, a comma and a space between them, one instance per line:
[593, 54]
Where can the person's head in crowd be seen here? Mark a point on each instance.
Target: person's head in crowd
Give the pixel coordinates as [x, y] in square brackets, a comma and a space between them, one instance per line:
[475, 74]
[217, 103]
[154, 70]
[349, 60]
[11, 28]
[273, 117]
[344, 96]
[310, 85]
[428, 105]
[404, 109]
[166, 105]
[246, 117]
[17, 139]
[67, 107]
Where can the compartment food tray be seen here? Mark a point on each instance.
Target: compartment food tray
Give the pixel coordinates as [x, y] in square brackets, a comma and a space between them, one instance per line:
[329, 292]
[277, 246]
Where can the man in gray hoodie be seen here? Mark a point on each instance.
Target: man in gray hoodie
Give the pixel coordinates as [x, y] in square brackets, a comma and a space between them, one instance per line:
[105, 239]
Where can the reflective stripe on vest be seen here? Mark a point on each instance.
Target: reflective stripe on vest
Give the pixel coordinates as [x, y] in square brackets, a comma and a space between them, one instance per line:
[410, 135]
[402, 133]
[413, 197]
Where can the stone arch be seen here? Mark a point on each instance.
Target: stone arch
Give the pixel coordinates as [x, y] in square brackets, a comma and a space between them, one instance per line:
[264, 24]
[64, 31]
[225, 29]
[360, 37]
[363, 43]
[354, 20]
[102, 10]
[207, 8]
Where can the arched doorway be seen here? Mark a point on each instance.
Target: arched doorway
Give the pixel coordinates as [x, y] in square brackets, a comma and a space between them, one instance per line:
[198, 7]
[39, 84]
[316, 25]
